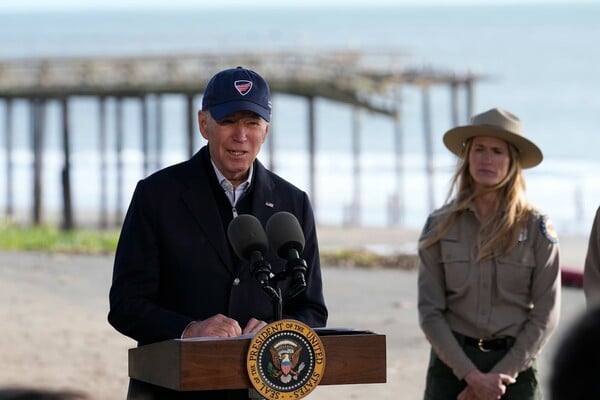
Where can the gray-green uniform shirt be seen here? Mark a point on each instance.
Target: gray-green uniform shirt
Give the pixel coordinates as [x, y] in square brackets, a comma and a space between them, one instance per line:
[517, 295]
[591, 272]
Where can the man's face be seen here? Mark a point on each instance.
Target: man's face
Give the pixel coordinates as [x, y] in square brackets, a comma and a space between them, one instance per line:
[234, 141]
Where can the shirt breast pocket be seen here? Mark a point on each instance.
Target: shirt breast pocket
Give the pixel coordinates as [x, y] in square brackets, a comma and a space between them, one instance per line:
[515, 271]
[457, 265]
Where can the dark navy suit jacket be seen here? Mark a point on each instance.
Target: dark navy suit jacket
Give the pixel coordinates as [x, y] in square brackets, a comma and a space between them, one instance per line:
[174, 263]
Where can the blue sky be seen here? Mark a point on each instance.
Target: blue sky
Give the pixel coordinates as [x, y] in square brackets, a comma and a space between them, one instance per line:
[60, 5]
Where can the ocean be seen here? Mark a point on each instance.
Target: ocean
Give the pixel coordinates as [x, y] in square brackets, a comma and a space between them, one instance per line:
[539, 61]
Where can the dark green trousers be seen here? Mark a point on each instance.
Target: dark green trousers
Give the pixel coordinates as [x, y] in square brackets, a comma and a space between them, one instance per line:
[442, 384]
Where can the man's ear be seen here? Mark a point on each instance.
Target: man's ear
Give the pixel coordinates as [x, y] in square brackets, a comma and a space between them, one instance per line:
[202, 121]
[266, 133]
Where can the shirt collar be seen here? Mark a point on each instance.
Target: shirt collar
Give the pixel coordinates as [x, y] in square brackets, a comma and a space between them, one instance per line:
[227, 185]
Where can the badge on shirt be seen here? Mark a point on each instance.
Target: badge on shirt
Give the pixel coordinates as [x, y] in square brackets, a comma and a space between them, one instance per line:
[547, 228]
[522, 235]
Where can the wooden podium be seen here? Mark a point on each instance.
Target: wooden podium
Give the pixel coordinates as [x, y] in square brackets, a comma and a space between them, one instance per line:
[352, 357]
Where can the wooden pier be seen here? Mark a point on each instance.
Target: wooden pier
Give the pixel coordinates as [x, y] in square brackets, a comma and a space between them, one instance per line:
[364, 80]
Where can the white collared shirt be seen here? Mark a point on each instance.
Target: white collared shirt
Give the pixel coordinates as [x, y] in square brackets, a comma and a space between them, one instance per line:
[233, 194]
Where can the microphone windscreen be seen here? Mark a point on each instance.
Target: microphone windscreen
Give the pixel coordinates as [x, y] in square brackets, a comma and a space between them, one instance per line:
[246, 236]
[285, 233]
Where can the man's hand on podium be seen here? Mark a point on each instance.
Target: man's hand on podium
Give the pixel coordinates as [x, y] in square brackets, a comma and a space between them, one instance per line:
[253, 326]
[221, 326]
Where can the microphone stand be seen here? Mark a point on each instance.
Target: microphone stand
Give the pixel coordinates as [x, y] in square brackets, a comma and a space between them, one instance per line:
[277, 305]
[276, 299]
[296, 268]
[261, 270]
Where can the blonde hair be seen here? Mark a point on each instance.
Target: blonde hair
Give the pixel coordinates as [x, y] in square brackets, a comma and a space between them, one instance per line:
[500, 231]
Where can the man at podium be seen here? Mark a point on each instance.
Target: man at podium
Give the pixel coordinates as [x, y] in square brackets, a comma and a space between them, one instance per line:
[175, 273]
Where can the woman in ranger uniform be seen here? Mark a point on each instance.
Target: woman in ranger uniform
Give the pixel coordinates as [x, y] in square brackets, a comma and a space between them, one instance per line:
[591, 269]
[489, 279]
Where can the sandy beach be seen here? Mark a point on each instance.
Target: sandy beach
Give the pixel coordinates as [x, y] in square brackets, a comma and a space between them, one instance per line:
[55, 334]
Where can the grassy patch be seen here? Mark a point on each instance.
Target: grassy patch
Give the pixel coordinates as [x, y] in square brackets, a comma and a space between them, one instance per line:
[90, 241]
[52, 239]
[368, 259]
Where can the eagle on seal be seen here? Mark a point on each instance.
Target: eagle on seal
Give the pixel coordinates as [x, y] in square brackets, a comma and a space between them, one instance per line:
[285, 363]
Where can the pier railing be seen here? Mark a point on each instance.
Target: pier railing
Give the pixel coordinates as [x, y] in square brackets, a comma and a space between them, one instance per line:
[364, 80]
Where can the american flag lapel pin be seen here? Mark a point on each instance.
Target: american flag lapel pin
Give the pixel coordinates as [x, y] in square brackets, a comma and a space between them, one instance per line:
[269, 204]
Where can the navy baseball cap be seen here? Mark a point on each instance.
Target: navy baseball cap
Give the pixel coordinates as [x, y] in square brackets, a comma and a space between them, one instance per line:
[237, 89]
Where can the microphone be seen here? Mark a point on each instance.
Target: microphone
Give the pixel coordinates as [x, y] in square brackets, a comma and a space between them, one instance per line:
[286, 236]
[249, 242]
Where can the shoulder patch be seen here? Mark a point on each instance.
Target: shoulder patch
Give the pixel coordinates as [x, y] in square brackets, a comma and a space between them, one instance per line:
[547, 228]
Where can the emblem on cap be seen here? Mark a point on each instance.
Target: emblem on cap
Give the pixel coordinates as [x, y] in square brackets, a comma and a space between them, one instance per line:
[285, 360]
[243, 86]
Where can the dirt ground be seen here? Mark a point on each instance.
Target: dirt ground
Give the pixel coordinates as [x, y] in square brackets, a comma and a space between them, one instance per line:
[55, 335]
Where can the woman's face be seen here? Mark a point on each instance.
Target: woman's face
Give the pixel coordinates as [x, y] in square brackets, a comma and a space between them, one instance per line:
[489, 160]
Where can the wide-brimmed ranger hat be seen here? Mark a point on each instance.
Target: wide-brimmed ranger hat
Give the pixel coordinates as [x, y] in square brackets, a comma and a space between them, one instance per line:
[237, 89]
[500, 124]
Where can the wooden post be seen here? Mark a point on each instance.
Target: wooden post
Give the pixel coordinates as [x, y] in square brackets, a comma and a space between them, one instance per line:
[271, 146]
[119, 153]
[102, 139]
[190, 116]
[144, 133]
[428, 148]
[67, 223]
[470, 98]
[353, 217]
[454, 103]
[158, 132]
[396, 205]
[312, 152]
[9, 164]
[37, 127]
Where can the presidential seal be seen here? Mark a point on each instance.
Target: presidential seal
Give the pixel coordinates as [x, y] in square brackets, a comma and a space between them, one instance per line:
[285, 360]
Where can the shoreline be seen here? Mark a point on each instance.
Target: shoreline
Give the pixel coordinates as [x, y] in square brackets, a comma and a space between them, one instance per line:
[392, 240]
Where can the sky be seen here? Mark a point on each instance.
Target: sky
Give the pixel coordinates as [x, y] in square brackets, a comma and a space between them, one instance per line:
[62, 5]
